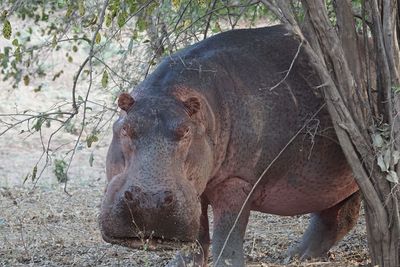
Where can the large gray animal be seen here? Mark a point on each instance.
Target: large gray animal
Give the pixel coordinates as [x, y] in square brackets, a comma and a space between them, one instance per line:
[203, 127]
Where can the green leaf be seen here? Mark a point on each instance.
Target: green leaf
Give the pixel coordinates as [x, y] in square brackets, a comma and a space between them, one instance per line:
[176, 4]
[54, 41]
[104, 79]
[91, 139]
[38, 124]
[381, 163]
[60, 168]
[130, 45]
[108, 19]
[90, 21]
[34, 173]
[396, 156]
[18, 55]
[187, 23]
[377, 140]
[57, 75]
[216, 28]
[7, 30]
[91, 159]
[396, 89]
[387, 157]
[15, 42]
[81, 8]
[135, 35]
[26, 178]
[114, 7]
[132, 6]
[3, 15]
[121, 19]
[38, 89]
[392, 177]
[26, 80]
[98, 38]
[141, 24]
[69, 11]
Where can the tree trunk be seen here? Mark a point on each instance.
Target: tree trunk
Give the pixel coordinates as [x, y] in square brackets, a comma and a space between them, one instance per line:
[336, 55]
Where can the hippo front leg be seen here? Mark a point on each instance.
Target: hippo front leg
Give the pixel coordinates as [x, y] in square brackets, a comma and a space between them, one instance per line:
[227, 200]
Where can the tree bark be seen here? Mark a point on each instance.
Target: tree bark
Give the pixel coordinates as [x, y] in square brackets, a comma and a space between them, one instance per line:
[335, 56]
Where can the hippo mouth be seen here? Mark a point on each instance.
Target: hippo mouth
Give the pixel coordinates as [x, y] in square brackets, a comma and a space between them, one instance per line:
[151, 243]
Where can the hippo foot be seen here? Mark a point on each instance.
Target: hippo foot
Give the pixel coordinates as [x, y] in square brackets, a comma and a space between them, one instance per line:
[306, 252]
[316, 241]
[188, 259]
[327, 228]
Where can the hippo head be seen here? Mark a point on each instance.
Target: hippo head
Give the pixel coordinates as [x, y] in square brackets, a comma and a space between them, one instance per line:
[158, 165]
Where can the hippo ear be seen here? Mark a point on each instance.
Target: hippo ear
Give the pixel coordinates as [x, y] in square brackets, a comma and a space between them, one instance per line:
[125, 101]
[192, 105]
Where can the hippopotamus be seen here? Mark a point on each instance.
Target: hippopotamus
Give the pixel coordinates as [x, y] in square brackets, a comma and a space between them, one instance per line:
[236, 122]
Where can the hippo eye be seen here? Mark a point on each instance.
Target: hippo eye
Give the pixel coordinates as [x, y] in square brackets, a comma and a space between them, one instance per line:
[182, 132]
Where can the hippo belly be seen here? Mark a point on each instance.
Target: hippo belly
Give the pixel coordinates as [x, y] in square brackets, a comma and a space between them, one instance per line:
[285, 199]
[317, 177]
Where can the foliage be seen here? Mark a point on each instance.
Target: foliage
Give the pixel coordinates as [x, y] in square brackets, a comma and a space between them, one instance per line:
[121, 46]
[387, 157]
[60, 167]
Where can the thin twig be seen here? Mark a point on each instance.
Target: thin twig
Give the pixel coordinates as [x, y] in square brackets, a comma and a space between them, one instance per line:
[23, 239]
[89, 59]
[113, 71]
[290, 68]
[74, 105]
[14, 7]
[162, 42]
[275, 10]
[46, 152]
[209, 20]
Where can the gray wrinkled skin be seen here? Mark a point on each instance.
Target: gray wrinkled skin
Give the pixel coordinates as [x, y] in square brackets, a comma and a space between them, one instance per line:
[202, 128]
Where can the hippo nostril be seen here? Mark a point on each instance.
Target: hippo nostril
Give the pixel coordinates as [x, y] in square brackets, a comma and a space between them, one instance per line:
[128, 196]
[168, 199]
[136, 190]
